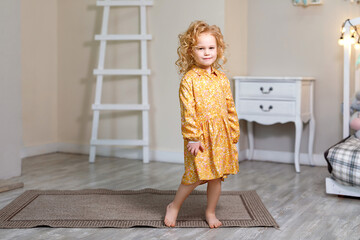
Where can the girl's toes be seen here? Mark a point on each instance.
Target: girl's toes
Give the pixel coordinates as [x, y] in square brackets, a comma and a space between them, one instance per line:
[169, 223]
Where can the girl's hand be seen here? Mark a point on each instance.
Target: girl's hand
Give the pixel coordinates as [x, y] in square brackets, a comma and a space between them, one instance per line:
[194, 148]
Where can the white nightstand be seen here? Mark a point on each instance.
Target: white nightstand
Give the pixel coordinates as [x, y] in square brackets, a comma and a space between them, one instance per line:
[270, 100]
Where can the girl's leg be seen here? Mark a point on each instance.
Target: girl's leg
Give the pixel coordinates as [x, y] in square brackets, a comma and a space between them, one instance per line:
[213, 194]
[173, 208]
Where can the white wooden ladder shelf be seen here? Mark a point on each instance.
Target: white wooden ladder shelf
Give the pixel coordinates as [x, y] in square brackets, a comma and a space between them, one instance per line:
[97, 107]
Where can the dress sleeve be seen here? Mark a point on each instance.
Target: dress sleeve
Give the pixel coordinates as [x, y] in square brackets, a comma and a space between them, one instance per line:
[232, 115]
[190, 127]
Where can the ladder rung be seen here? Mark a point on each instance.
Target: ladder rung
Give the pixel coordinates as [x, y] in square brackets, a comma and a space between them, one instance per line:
[125, 3]
[121, 72]
[123, 37]
[120, 142]
[120, 107]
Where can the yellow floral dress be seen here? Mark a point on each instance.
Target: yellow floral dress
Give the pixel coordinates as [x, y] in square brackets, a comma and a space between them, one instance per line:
[208, 115]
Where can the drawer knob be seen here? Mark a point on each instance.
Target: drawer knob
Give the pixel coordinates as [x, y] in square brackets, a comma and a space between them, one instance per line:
[266, 92]
[266, 110]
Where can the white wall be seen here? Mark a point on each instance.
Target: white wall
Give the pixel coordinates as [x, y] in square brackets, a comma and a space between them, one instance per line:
[78, 22]
[39, 73]
[10, 89]
[295, 41]
[236, 36]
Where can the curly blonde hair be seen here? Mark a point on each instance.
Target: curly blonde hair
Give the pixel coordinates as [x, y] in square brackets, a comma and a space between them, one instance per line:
[188, 41]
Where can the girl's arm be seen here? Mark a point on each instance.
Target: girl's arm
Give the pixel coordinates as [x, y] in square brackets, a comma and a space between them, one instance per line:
[190, 128]
[232, 115]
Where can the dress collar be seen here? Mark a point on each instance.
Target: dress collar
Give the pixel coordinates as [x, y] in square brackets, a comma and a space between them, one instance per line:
[202, 71]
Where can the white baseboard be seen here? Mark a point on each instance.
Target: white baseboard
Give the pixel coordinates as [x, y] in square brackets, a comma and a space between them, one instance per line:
[286, 157]
[167, 156]
[163, 156]
[39, 150]
[107, 151]
[242, 155]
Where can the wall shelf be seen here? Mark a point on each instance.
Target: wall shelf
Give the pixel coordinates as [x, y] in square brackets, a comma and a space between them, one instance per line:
[307, 2]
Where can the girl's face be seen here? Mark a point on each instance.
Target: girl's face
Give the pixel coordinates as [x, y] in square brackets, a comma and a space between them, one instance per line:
[205, 51]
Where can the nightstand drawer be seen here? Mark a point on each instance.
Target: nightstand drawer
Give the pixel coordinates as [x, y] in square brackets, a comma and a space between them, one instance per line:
[262, 107]
[267, 90]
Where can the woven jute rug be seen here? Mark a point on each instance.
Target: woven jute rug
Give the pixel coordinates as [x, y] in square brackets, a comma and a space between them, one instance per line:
[130, 208]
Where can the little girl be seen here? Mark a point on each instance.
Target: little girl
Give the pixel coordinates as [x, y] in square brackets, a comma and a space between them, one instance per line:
[209, 122]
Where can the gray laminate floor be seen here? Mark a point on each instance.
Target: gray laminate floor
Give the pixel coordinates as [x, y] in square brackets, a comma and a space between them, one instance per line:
[298, 202]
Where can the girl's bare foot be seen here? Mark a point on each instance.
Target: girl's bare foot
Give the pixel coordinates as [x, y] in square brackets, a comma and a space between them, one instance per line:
[212, 220]
[171, 215]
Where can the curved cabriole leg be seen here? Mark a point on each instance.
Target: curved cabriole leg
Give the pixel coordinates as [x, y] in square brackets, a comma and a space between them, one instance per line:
[311, 140]
[298, 131]
[251, 140]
